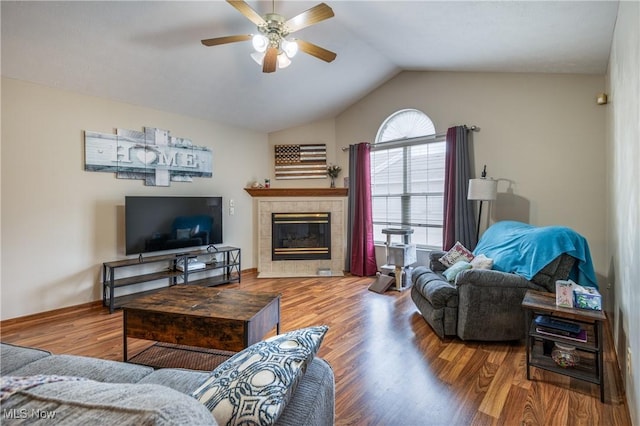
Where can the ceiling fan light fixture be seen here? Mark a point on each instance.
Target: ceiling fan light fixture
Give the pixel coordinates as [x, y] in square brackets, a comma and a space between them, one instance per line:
[272, 50]
[260, 42]
[290, 48]
[258, 57]
[283, 61]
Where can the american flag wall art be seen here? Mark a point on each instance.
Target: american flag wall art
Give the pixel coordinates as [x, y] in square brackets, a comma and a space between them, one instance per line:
[301, 161]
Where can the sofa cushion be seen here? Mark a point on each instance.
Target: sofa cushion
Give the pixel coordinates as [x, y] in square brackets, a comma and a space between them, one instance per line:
[185, 381]
[91, 402]
[254, 386]
[558, 269]
[10, 385]
[101, 370]
[15, 357]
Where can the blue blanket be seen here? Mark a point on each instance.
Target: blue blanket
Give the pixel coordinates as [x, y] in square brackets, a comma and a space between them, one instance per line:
[526, 249]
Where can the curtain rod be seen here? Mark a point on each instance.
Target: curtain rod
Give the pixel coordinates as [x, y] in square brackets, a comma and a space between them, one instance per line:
[473, 128]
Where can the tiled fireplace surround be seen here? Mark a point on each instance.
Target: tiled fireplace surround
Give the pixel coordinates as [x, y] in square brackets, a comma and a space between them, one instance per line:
[300, 204]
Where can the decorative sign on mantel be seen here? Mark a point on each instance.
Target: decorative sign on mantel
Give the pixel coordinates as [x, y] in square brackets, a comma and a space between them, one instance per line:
[153, 155]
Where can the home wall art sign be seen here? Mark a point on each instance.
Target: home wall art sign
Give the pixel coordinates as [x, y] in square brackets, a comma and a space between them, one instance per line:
[152, 155]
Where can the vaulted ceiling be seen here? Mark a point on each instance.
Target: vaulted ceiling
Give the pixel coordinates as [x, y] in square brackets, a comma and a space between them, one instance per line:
[149, 52]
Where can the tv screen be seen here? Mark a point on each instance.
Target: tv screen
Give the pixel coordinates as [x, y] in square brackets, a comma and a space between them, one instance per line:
[168, 223]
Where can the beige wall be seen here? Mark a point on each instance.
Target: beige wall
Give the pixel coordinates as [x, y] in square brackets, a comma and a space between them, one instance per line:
[623, 184]
[541, 135]
[321, 132]
[59, 222]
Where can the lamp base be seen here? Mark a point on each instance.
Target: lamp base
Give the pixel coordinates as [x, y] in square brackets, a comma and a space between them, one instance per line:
[478, 225]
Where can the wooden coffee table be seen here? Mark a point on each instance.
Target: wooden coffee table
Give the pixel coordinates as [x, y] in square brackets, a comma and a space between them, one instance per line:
[206, 317]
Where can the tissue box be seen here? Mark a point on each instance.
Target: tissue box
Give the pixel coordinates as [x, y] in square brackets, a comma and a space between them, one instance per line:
[402, 254]
[587, 298]
[564, 293]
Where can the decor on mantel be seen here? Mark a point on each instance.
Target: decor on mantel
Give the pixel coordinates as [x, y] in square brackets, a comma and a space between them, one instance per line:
[301, 161]
[153, 155]
[333, 171]
[297, 192]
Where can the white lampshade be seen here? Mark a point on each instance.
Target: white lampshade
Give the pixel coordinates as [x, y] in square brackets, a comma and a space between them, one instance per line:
[260, 42]
[482, 189]
[290, 48]
[258, 57]
[283, 61]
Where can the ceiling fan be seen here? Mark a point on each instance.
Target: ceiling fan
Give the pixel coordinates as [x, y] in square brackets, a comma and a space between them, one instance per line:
[273, 49]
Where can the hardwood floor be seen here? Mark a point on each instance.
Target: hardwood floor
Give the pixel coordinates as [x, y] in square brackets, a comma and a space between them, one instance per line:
[390, 368]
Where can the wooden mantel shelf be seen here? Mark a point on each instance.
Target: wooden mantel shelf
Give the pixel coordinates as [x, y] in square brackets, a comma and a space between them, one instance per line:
[297, 192]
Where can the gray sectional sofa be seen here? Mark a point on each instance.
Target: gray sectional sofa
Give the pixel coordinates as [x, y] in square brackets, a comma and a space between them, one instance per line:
[123, 393]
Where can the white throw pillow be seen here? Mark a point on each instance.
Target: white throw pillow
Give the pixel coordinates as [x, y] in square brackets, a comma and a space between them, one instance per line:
[254, 386]
[482, 262]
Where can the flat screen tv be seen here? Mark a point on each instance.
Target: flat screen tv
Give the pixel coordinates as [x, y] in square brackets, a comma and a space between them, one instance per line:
[168, 223]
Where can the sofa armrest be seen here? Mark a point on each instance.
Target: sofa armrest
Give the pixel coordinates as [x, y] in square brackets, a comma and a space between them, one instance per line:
[434, 288]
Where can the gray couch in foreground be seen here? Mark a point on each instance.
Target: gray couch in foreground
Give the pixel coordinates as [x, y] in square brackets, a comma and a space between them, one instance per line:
[121, 393]
[481, 304]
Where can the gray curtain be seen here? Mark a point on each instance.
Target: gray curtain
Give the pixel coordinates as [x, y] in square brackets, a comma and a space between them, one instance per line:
[459, 217]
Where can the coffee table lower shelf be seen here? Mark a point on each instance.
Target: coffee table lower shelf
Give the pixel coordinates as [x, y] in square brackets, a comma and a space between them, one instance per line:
[168, 355]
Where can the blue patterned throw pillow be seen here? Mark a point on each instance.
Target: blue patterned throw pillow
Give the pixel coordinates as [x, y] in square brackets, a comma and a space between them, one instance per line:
[253, 386]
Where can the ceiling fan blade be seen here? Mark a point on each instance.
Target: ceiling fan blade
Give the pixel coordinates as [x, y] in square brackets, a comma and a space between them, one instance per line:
[248, 12]
[224, 40]
[270, 60]
[315, 50]
[309, 17]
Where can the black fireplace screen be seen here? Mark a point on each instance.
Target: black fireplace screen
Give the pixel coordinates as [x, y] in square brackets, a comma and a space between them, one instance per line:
[301, 236]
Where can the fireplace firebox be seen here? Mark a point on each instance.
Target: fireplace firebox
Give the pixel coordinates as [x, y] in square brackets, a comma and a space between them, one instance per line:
[301, 236]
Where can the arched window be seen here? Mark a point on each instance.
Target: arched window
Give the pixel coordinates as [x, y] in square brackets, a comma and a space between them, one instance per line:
[405, 124]
[407, 178]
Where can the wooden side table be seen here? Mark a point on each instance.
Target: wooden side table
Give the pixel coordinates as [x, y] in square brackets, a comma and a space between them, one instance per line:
[591, 367]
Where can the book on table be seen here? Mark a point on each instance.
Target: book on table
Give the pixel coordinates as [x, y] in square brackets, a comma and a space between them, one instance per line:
[556, 325]
[580, 337]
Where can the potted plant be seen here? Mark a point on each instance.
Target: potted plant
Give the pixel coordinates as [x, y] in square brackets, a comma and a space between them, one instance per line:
[333, 171]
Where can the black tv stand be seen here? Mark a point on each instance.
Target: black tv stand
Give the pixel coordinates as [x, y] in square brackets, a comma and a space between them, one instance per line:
[227, 261]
